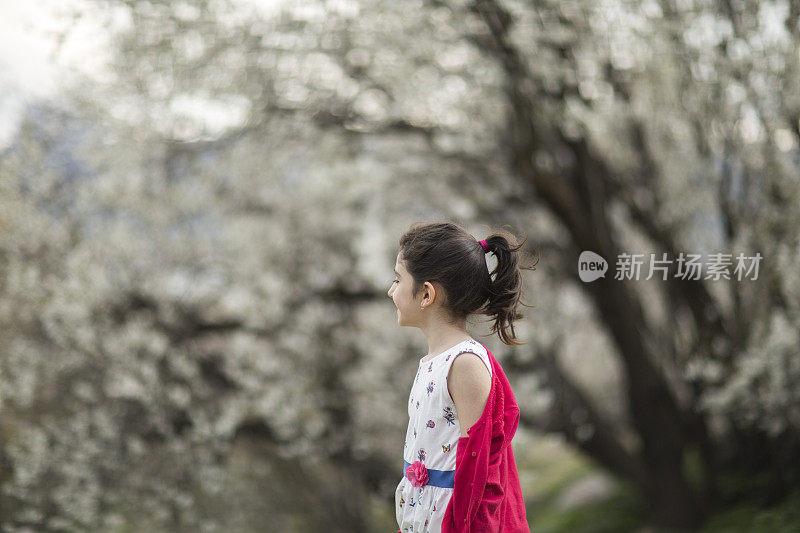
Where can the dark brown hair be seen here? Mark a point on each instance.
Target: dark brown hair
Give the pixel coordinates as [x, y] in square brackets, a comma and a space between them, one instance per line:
[447, 254]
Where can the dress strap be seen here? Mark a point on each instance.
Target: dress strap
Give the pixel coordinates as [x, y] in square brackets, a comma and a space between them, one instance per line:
[472, 347]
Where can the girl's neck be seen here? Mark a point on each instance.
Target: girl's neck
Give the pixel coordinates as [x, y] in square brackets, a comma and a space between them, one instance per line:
[440, 340]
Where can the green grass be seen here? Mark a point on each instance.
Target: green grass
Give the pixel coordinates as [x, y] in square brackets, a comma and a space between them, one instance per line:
[556, 467]
[622, 513]
[618, 513]
[781, 518]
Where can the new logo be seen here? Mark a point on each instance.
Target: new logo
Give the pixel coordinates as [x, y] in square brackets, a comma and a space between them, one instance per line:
[591, 266]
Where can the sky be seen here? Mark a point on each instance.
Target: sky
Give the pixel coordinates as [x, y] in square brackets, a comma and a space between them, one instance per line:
[25, 72]
[30, 69]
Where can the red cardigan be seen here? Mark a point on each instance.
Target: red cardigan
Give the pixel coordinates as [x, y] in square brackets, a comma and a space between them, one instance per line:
[487, 497]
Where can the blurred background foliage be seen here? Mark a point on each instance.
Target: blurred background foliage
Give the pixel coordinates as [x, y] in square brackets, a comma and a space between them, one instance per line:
[197, 237]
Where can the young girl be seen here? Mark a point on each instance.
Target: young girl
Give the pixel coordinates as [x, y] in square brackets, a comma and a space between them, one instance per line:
[458, 465]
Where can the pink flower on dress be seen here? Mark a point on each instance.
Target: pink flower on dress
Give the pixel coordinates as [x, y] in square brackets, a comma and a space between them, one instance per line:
[417, 474]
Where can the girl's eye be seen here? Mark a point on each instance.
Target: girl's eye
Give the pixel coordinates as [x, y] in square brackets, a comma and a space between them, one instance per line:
[396, 281]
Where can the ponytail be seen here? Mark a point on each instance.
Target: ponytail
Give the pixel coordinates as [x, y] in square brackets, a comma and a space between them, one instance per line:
[446, 253]
[505, 287]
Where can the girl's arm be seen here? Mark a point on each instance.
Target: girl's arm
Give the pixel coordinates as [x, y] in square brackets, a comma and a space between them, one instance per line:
[469, 384]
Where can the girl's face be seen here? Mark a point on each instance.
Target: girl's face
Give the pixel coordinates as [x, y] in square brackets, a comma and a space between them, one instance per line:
[408, 310]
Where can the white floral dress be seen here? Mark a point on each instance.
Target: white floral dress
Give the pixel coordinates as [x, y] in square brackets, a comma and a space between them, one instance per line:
[431, 438]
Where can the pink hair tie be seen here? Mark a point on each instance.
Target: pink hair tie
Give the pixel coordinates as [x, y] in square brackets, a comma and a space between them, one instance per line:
[485, 246]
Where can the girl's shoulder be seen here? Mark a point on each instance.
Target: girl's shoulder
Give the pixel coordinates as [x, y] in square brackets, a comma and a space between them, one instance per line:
[471, 346]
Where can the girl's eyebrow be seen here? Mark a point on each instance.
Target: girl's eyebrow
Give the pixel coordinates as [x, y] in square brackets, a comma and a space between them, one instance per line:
[395, 271]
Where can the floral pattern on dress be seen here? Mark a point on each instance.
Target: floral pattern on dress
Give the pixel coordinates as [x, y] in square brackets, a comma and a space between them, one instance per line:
[449, 416]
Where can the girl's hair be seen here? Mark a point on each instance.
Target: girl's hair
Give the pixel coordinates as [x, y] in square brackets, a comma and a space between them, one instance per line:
[445, 253]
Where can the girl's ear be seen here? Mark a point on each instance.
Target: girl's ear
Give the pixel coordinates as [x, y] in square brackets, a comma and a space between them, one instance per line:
[430, 291]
